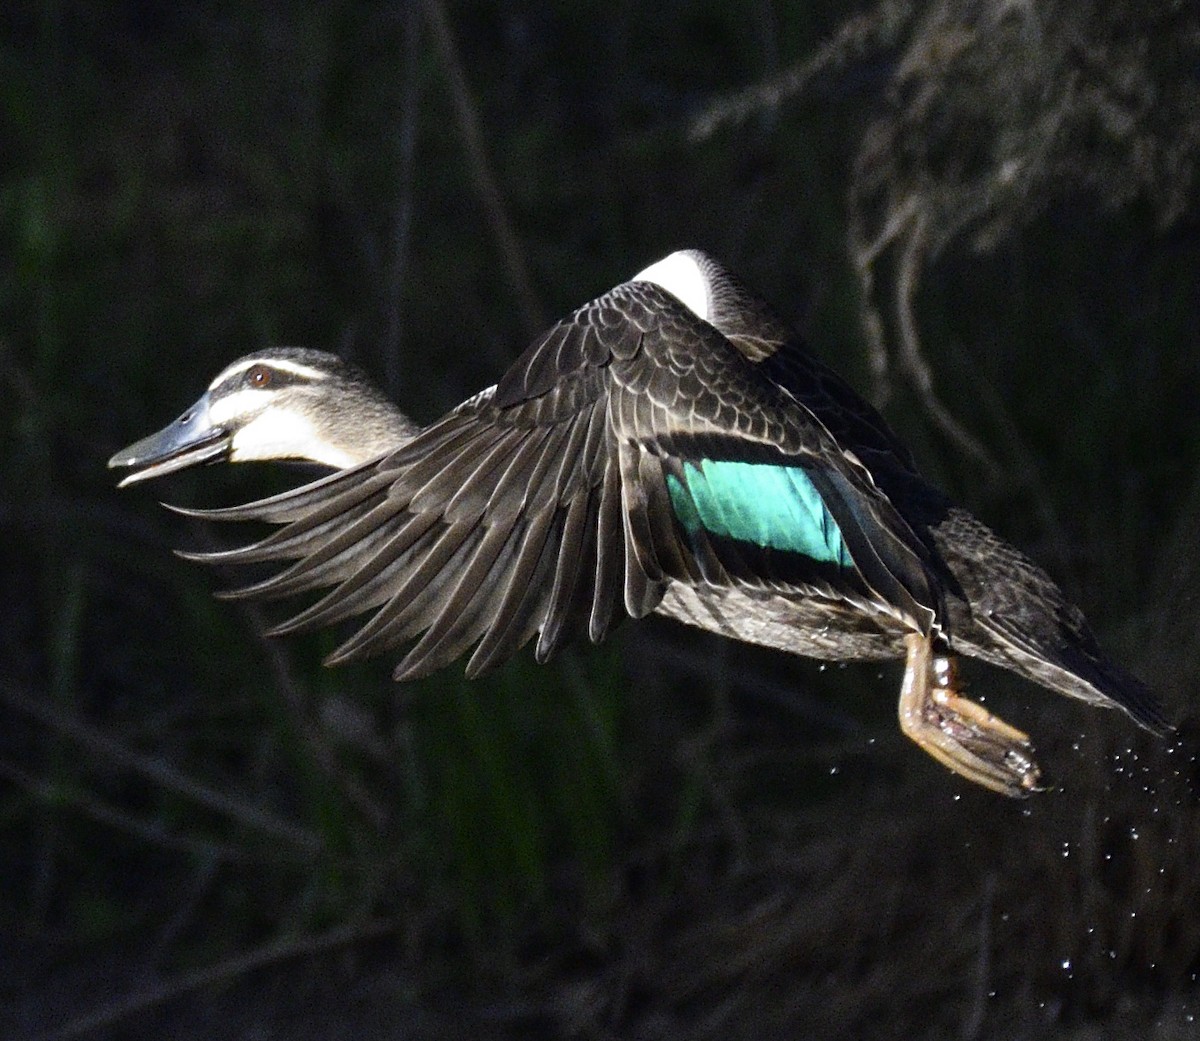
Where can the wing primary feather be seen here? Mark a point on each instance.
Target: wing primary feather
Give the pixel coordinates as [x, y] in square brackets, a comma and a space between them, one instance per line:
[463, 617]
[476, 487]
[368, 587]
[672, 551]
[643, 574]
[521, 597]
[413, 601]
[333, 562]
[515, 483]
[568, 568]
[297, 503]
[282, 544]
[308, 529]
[610, 550]
[423, 481]
[557, 465]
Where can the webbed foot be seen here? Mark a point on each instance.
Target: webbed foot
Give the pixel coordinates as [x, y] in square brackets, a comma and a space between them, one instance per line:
[957, 732]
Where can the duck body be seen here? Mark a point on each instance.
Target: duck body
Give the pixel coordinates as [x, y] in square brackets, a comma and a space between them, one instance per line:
[671, 447]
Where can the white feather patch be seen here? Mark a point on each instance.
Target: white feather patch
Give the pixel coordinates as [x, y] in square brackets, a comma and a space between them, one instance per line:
[679, 275]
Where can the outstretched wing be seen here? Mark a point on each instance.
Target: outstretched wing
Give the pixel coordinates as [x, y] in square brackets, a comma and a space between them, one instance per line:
[631, 445]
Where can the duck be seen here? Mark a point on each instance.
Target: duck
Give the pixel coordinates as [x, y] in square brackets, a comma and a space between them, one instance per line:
[670, 447]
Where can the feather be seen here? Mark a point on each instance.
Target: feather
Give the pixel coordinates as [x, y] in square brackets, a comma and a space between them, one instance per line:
[640, 448]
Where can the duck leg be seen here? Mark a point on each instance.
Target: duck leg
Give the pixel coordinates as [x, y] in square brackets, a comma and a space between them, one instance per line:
[959, 733]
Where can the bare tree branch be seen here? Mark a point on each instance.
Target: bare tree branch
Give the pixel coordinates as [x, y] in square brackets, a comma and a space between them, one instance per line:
[466, 112]
[157, 770]
[402, 208]
[221, 973]
[857, 36]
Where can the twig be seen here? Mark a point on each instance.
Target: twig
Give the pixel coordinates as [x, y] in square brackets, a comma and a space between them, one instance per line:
[323, 755]
[856, 37]
[465, 111]
[1028, 471]
[156, 770]
[90, 806]
[223, 972]
[907, 280]
[295, 699]
[410, 94]
[864, 254]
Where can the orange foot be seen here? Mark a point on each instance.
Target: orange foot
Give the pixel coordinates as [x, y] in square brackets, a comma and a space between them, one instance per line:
[959, 733]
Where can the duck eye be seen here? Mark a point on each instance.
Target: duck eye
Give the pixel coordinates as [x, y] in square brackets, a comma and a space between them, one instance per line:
[258, 376]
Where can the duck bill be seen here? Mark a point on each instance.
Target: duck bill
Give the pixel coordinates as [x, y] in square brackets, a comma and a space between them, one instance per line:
[190, 440]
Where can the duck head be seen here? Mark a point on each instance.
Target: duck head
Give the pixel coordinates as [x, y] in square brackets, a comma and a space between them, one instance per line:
[283, 403]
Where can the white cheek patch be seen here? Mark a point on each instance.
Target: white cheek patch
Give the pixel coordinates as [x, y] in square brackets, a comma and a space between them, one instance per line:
[680, 276]
[280, 434]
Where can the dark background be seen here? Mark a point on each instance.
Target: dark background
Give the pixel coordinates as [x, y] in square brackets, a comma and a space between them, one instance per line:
[984, 215]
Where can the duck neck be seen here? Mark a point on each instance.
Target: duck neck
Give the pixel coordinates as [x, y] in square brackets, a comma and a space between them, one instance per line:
[372, 429]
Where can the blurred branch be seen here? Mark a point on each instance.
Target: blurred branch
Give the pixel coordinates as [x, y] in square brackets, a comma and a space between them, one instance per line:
[85, 802]
[323, 755]
[295, 698]
[1028, 474]
[904, 231]
[222, 973]
[466, 112]
[864, 254]
[908, 279]
[402, 210]
[156, 770]
[15, 375]
[856, 37]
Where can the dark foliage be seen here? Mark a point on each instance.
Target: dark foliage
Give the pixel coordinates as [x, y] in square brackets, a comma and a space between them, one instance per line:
[985, 214]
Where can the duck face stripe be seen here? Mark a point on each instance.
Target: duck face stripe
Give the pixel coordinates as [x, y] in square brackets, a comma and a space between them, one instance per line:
[775, 507]
[297, 370]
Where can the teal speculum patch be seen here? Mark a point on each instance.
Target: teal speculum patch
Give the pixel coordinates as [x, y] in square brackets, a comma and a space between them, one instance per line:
[775, 507]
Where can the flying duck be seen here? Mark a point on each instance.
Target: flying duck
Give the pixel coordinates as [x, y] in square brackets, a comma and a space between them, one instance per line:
[669, 447]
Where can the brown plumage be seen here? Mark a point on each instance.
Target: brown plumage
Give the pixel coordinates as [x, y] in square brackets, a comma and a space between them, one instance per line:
[648, 453]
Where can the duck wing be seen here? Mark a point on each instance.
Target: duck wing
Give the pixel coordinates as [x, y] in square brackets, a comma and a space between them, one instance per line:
[756, 329]
[1017, 617]
[630, 446]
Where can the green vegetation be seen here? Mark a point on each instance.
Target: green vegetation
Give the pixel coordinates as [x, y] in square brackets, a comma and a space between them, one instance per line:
[665, 836]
